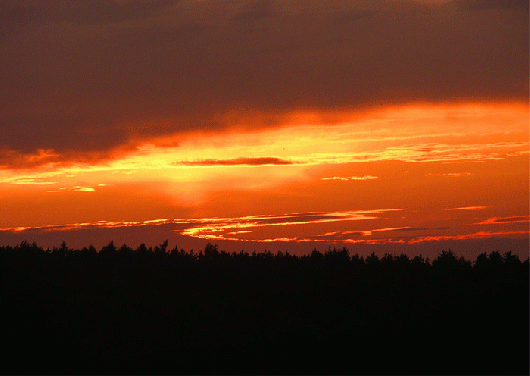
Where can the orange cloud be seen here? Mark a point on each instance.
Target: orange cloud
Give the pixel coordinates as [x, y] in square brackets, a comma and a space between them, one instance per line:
[476, 235]
[505, 220]
[221, 225]
[469, 208]
[365, 177]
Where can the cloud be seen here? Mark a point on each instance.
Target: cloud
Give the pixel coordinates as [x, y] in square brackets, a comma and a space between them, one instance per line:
[218, 228]
[422, 153]
[476, 235]
[294, 228]
[31, 181]
[469, 208]
[452, 174]
[74, 189]
[365, 177]
[505, 220]
[237, 162]
[85, 79]
[83, 189]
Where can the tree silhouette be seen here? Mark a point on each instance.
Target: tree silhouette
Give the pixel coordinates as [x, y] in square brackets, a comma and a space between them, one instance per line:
[372, 260]
[108, 250]
[125, 250]
[161, 249]
[211, 250]
[511, 259]
[144, 310]
[446, 260]
[142, 249]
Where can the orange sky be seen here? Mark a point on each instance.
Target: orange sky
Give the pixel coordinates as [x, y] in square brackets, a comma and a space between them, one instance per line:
[394, 126]
[398, 175]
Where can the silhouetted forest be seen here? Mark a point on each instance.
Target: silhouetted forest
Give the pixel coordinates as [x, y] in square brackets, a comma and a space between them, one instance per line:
[145, 310]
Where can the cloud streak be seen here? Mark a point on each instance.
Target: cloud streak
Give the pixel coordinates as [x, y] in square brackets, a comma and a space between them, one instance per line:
[262, 161]
[469, 208]
[295, 228]
[505, 220]
[205, 227]
[365, 177]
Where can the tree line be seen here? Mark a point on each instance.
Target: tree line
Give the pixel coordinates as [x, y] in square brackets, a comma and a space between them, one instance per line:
[159, 310]
[211, 252]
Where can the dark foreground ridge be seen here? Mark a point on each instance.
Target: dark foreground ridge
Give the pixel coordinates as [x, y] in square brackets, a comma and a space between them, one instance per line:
[123, 310]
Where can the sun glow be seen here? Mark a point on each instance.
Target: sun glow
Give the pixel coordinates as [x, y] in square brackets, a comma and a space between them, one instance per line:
[431, 160]
[414, 133]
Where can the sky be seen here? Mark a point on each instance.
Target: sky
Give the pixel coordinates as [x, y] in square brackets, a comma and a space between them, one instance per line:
[387, 126]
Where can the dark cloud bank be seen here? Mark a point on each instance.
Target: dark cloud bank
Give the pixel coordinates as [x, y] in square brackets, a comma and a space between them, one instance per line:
[84, 78]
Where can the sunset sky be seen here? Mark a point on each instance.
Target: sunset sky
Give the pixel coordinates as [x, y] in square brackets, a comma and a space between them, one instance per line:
[388, 126]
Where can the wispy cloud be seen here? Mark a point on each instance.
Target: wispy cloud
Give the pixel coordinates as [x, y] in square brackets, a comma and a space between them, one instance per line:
[452, 174]
[83, 189]
[364, 237]
[286, 228]
[432, 238]
[469, 208]
[369, 232]
[365, 177]
[31, 181]
[421, 153]
[505, 220]
[476, 235]
[77, 188]
[237, 162]
[215, 228]
[444, 152]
